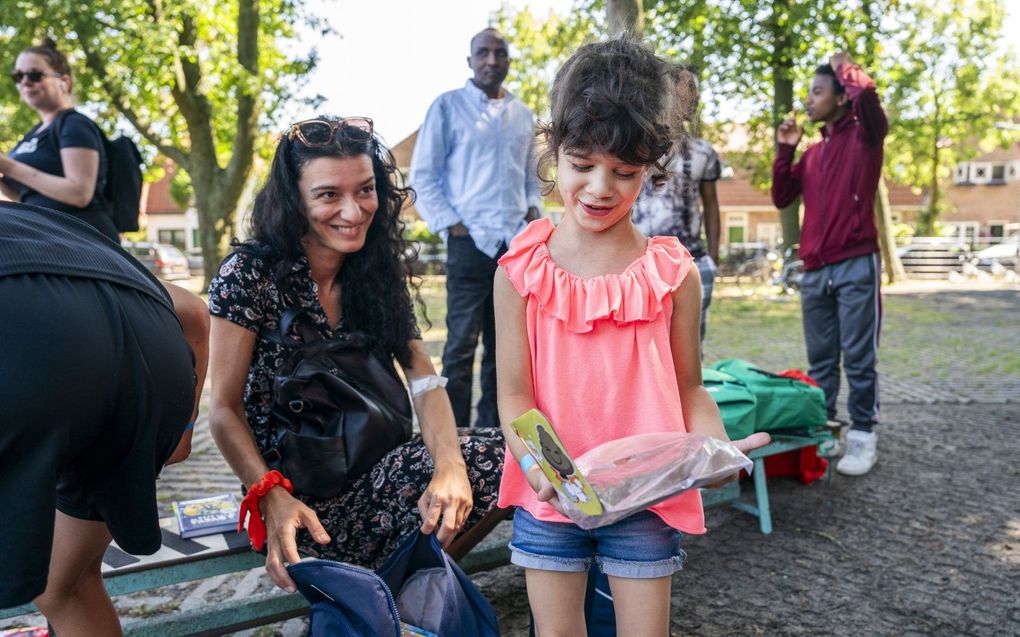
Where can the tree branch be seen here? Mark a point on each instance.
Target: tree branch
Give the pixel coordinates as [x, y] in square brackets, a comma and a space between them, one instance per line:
[98, 67]
[186, 93]
[247, 95]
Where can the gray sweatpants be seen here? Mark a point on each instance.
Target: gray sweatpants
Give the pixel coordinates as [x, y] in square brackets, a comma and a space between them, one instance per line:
[842, 312]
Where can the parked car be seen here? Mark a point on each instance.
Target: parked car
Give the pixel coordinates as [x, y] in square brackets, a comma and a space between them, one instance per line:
[196, 263]
[162, 259]
[1007, 254]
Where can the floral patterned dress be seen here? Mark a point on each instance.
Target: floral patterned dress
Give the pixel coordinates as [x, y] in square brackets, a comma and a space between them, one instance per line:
[367, 521]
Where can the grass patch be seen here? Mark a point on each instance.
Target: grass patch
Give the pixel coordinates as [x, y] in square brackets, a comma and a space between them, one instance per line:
[920, 339]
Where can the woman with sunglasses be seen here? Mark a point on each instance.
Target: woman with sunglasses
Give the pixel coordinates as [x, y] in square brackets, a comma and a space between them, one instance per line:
[327, 239]
[61, 171]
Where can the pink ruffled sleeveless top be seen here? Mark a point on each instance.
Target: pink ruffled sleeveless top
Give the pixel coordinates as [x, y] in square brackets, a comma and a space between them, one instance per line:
[600, 357]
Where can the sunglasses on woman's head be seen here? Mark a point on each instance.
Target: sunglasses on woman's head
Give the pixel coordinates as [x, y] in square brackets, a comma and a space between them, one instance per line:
[33, 76]
[320, 132]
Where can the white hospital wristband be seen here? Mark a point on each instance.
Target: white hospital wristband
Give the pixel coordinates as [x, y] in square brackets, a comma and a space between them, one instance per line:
[424, 384]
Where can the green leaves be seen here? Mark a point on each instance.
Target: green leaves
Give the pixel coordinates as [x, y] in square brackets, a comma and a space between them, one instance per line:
[197, 79]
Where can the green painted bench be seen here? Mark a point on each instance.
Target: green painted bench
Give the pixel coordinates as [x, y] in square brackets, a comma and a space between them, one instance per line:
[181, 560]
[729, 494]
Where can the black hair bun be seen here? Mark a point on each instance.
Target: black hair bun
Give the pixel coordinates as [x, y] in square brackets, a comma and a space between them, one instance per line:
[48, 43]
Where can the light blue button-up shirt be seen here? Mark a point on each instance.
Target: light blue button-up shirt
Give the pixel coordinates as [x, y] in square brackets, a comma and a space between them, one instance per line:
[474, 163]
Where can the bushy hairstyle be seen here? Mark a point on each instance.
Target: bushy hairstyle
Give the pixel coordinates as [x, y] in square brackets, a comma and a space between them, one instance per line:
[376, 280]
[614, 97]
[826, 69]
[48, 49]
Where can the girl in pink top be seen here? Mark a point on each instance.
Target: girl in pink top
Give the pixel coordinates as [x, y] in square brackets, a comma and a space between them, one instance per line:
[599, 329]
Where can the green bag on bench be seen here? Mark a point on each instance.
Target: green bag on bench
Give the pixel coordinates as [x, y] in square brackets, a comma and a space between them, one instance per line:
[736, 402]
[781, 403]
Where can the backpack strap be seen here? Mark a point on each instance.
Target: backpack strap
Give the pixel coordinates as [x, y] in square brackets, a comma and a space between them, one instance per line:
[58, 121]
[279, 336]
[101, 178]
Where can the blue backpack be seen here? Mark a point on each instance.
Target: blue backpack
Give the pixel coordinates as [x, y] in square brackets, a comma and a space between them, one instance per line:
[349, 601]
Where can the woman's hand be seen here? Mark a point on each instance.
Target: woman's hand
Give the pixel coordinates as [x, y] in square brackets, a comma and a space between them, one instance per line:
[284, 515]
[447, 498]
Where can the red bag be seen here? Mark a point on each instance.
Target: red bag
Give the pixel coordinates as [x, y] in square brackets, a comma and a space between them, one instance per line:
[803, 464]
[796, 374]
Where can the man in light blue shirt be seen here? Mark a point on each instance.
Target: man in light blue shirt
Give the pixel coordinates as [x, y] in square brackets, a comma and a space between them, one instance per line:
[474, 171]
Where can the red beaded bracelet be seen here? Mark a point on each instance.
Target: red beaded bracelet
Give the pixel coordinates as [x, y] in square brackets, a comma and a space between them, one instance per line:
[250, 504]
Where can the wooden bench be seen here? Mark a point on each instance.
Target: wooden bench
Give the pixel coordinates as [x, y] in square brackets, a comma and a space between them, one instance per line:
[180, 560]
[730, 493]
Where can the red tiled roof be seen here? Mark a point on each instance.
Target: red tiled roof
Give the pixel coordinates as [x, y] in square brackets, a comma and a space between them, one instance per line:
[157, 200]
[1002, 154]
[403, 150]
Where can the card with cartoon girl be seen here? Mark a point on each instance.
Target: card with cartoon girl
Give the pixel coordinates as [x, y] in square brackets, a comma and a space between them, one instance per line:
[543, 443]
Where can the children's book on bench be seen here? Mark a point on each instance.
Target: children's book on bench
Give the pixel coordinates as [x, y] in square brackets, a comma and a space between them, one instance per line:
[207, 516]
[627, 475]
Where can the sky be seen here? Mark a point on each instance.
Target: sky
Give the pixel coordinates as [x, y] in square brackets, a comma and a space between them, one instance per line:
[391, 58]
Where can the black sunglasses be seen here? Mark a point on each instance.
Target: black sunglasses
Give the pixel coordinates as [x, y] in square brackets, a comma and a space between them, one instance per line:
[33, 76]
[320, 132]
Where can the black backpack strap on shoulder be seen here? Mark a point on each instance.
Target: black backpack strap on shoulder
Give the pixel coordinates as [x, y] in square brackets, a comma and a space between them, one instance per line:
[58, 121]
[279, 335]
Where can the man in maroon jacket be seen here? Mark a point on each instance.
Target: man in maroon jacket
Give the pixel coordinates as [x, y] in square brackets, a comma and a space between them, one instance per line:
[837, 178]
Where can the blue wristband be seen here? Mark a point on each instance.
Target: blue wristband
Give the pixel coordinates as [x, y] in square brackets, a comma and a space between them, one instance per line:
[188, 427]
[527, 462]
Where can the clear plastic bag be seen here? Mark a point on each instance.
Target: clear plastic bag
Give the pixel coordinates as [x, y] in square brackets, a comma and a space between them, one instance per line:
[633, 473]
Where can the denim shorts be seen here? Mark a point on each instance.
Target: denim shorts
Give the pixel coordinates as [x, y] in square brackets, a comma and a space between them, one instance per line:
[641, 546]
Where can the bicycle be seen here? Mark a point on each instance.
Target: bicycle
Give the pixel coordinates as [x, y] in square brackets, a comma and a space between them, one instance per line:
[769, 271]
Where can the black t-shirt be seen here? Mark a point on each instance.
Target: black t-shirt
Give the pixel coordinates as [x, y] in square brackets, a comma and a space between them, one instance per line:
[40, 149]
[38, 241]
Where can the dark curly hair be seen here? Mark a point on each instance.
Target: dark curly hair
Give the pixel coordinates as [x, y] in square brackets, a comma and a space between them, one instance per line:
[376, 281]
[617, 98]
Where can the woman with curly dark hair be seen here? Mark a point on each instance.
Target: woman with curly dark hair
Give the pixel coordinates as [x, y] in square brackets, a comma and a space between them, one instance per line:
[327, 239]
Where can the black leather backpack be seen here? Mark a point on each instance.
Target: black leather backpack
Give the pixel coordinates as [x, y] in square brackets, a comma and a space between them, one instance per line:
[338, 408]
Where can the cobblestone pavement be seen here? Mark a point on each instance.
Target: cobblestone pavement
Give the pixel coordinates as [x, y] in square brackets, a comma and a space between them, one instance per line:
[926, 544]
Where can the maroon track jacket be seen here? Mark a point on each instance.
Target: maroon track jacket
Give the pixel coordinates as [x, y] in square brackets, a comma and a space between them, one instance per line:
[838, 178]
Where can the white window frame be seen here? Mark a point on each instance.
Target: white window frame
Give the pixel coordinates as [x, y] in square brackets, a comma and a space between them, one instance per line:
[768, 232]
[966, 230]
[981, 179]
[735, 220]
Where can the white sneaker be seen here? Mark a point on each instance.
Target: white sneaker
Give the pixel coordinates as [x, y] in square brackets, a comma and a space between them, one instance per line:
[860, 453]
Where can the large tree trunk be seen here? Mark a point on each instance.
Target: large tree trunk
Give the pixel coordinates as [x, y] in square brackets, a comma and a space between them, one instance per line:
[625, 16]
[886, 238]
[217, 207]
[931, 211]
[782, 100]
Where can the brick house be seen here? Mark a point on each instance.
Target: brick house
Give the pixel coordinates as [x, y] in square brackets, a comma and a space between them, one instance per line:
[985, 195]
[164, 221]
